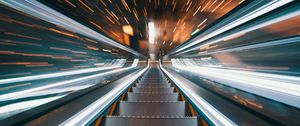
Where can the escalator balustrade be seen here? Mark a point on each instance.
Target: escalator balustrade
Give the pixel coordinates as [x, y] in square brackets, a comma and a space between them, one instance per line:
[152, 101]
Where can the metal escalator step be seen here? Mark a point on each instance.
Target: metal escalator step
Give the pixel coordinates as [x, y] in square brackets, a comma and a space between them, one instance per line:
[152, 97]
[150, 121]
[165, 90]
[152, 108]
[154, 78]
[152, 82]
[154, 75]
[153, 85]
[162, 86]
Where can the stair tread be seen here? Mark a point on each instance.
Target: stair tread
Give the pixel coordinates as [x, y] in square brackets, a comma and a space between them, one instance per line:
[154, 117]
[136, 89]
[152, 102]
[152, 97]
[152, 108]
[150, 121]
[152, 92]
[161, 86]
[153, 85]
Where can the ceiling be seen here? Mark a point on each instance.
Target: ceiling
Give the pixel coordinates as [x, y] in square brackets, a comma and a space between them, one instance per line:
[175, 21]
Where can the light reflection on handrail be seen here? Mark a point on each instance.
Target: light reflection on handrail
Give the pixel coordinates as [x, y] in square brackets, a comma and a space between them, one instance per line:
[59, 74]
[84, 116]
[281, 88]
[17, 94]
[212, 113]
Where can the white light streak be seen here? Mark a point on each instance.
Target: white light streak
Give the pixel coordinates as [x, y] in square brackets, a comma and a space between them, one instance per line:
[85, 115]
[151, 32]
[196, 31]
[46, 13]
[253, 14]
[22, 106]
[212, 113]
[58, 74]
[12, 95]
[282, 88]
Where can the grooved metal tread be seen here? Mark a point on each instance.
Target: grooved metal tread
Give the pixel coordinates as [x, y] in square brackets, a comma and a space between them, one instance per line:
[168, 90]
[150, 121]
[152, 96]
[153, 85]
[152, 108]
[152, 102]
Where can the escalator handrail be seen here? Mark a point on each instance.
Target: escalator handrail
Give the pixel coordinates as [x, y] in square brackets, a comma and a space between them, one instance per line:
[85, 116]
[215, 117]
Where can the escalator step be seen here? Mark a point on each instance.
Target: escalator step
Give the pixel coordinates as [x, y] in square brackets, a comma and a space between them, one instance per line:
[156, 79]
[152, 108]
[152, 97]
[153, 85]
[164, 90]
[153, 82]
[150, 121]
[152, 102]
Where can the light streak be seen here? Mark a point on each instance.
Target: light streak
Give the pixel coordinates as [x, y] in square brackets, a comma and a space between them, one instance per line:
[52, 75]
[151, 32]
[282, 88]
[247, 17]
[194, 32]
[84, 116]
[212, 113]
[46, 13]
[62, 83]
[202, 22]
[22, 106]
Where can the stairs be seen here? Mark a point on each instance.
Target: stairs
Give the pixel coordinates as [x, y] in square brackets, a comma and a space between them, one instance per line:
[152, 102]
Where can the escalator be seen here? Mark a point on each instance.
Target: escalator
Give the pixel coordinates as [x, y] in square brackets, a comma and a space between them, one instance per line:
[153, 100]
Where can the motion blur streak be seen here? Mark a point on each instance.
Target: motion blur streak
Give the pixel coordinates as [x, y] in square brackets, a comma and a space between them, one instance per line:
[250, 16]
[259, 25]
[85, 115]
[43, 12]
[285, 89]
[11, 109]
[46, 56]
[67, 73]
[174, 20]
[13, 95]
[213, 114]
[77, 62]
